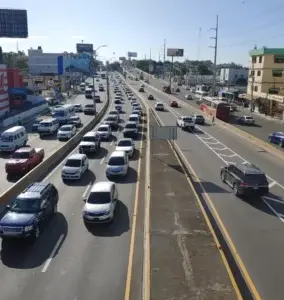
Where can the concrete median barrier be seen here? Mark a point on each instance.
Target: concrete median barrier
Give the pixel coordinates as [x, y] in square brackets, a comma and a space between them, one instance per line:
[48, 164]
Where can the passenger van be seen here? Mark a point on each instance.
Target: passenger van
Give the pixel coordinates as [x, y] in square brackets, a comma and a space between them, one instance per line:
[134, 118]
[89, 93]
[63, 113]
[118, 164]
[13, 138]
[83, 86]
[48, 127]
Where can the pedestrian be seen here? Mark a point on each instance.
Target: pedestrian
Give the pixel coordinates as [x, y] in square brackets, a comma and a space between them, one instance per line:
[213, 120]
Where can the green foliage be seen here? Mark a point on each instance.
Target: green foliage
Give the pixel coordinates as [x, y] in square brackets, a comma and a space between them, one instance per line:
[16, 60]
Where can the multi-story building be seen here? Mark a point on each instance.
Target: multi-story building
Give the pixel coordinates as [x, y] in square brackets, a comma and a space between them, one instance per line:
[266, 77]
[229, 76]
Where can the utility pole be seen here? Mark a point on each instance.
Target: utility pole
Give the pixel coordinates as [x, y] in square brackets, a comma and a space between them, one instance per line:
[252, 85]
[215, 47]
[164, 67]
[107, 80]
[149, 67]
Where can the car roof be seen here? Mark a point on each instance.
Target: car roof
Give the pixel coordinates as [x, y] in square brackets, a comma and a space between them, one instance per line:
[66, 126]
[133, 115]
[102, 186]
[78, 156]
[117, 154]
[249, 169]
[34, 190]
[131, 122]
[24, 149]
[159, 103]
[90, 133]
[103, 125]
[125, 139]
[186, 117]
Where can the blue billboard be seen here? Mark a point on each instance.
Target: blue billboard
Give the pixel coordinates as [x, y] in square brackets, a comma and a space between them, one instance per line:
[82, 63]
[13, 23]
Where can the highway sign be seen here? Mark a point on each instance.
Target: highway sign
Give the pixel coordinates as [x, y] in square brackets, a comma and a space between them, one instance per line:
[89, 48]
[175, 52]
[163, 133]
[13, 23]
[132, 54]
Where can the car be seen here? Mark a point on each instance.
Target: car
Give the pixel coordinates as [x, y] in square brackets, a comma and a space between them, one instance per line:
[137, 112]
[36, 123]
[130, 129]
[101, 89]
[141, 90]
[78, 107]
[75, 120]
[151, 97]
[112, 121]
[127, 145]
[75, 167]
[142, 85]
[89, 109]
[188, 97]
[177, 90]
[97, 98]
[247, 120]
[25, 218]
[90, 143]
[101, 202]
[117, 101]
[117, 164]
[185, 122]
[199, 119]
[114, 113]
[173, 103]
[118, 108]
[159, 106]
[187, 88]
[277, 138]
[133, 101]
[246, 180]
[66, 132]
[104, 130]
[90, 86]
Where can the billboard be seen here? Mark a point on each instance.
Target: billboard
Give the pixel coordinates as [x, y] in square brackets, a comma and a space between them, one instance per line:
[132, 54]
[122, 58]
[89, 48]
[13, 23]
[81, 63]
[175, 52]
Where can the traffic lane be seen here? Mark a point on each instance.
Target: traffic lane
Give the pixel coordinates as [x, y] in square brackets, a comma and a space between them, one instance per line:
[261, 129]
[252, 225]
[50, 144]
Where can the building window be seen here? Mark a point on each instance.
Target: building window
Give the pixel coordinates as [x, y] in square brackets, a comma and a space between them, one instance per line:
[277, 73]
[251, 73]
[260, 59]
[253, 59]
[258, 73]
[279, 59]
[255, 88]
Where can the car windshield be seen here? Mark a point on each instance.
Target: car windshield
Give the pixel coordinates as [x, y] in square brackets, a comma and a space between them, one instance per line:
[187, 119]
[110, 119]
[113, 113]
[20, 155]
[124, 143]
[71, 162]
[88, 139]
[99, 198]
[116, 161]
[6, 138]
[103, 129]
[77, 105]
[130, 126]
[249, 118]
[256, 178]
[133, 119]
[25, 205]
[75, 118]
[65, 128]
[89, 106]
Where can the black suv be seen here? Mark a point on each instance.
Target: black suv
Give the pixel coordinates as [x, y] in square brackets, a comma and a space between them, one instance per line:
[245, 180]
[28, 213]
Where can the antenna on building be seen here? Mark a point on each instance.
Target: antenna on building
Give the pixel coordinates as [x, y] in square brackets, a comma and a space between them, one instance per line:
[17, 46]
[255, 47]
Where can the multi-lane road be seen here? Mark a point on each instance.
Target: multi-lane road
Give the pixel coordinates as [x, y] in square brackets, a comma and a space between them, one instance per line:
[261, 130]
[70, 261]
[50, 143]
[254, 229]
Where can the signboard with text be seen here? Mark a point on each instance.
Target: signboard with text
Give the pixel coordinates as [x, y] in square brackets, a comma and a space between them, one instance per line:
[89, 48]
[13, 23]
[132, 54]
[175, 52]
[122, 58]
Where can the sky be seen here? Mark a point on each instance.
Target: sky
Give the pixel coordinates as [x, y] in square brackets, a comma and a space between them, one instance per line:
[138, 26]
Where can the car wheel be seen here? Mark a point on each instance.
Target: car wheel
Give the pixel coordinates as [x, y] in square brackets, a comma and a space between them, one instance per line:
[269, 140]
[54, 209]
[235, 189]
[223, 177]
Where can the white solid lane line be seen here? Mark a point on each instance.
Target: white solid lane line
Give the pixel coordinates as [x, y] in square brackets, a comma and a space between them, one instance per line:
[87, 189]
[102, 160]
[48, 261]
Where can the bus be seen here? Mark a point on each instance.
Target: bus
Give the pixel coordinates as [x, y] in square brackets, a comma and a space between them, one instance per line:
[63, 113]
[200, 94]
[216, 108]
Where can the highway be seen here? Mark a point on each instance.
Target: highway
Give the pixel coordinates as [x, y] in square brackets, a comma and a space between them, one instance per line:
[50, 143]
[69, 261]
[255, 229]
[261, 130]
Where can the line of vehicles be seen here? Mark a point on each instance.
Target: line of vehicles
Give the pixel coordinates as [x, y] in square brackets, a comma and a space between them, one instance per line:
[27, 214]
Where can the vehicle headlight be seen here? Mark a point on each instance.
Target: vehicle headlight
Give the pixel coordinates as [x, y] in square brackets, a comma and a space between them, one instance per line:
[29, 228]
[107, 211]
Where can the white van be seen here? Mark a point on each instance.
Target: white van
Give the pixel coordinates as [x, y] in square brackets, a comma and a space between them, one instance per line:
[82, 86]
[13, 138]
[89, 93]
[48, 127]
[118, 164]
[134, 118]
[63, 113]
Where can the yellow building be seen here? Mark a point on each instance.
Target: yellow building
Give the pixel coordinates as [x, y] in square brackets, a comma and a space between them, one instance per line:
[266, 78]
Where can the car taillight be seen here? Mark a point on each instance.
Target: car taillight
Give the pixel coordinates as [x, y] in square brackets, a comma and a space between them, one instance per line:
[244, 184]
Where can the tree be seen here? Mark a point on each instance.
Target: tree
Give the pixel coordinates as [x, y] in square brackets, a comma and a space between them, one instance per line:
[17, 60]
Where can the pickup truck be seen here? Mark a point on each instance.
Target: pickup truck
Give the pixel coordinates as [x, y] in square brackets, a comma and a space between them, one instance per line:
[185, 122]
[23, 160]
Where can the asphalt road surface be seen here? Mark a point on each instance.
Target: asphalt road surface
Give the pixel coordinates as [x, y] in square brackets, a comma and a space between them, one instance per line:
[49, 143]
[69, 261]
[261, 129]
[255, 228]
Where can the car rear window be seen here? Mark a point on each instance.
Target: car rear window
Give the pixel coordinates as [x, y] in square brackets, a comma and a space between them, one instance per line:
[256, 178]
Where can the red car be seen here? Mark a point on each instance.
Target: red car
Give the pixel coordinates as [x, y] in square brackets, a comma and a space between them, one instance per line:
[173, 103]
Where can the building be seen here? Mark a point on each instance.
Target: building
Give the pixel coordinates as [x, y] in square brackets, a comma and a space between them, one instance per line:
[4, 97]
[229, 76]
[266, 79]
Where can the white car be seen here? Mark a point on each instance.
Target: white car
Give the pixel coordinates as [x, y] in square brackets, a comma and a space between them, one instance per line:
[185, 122]
[75, 166]
[127, 145]
[104, 131]
[189, 97]
[66, 132]
[159, 106]
[114, 113]
[78, 107]
[101, 203]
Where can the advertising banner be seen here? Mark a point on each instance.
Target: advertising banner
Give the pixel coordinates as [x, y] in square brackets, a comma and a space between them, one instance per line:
[88, 48]
[13, 23]
[175, 52]
[132, 54]
[81, 63]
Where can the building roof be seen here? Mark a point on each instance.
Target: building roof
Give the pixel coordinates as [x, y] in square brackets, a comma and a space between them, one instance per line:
[264, 50]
